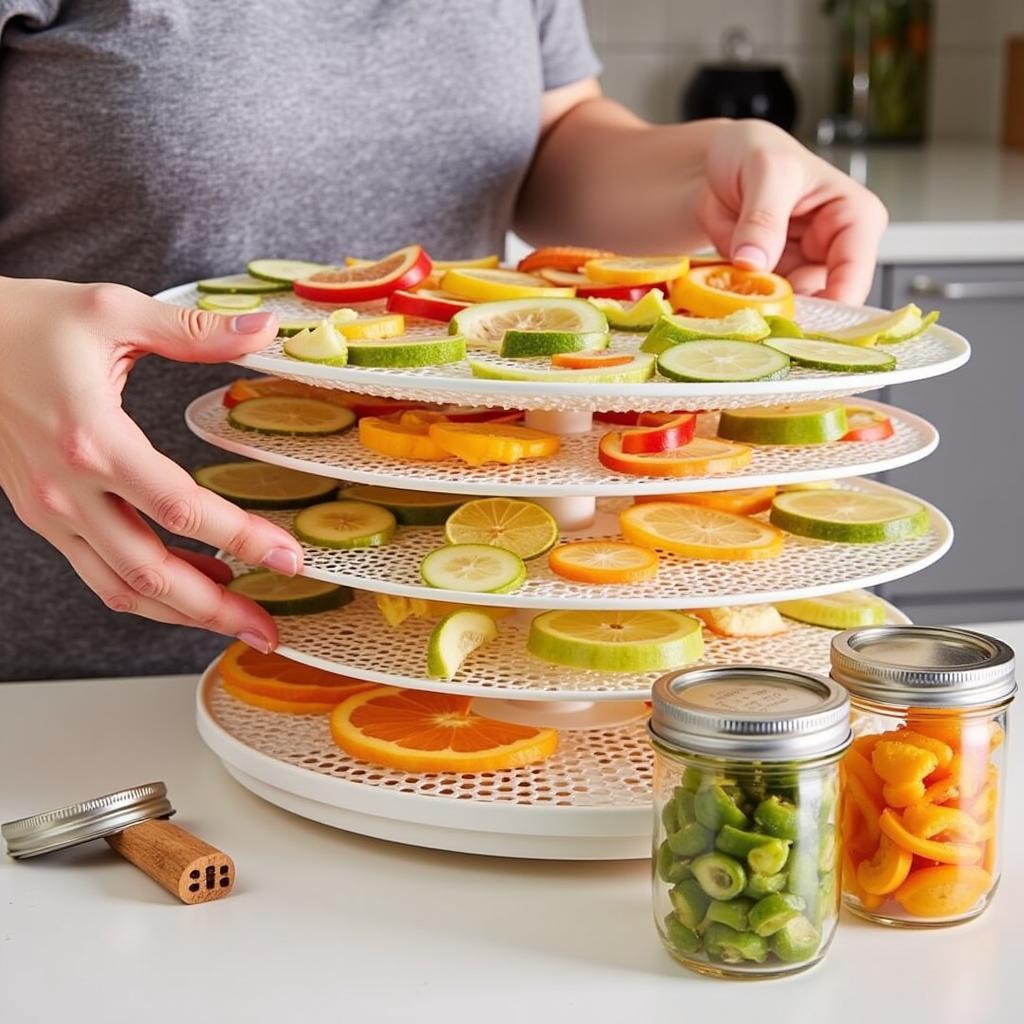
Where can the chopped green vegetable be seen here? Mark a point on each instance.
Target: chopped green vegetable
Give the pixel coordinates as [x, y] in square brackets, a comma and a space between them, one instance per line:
[720, 876]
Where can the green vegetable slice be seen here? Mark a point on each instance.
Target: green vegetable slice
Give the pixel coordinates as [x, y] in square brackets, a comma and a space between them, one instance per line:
[345, 524]
[283, 271]
[721, 877]
[290, 595]
[244, 284]
[259, 485]
[831, 355]
[723, 362]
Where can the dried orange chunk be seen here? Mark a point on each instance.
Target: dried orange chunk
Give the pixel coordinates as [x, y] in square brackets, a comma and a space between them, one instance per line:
[898, 763]
[945, 891]
[945, 853]
[887, 870]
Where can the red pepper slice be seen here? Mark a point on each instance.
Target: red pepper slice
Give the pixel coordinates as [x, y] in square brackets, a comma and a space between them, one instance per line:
[867, 424]
[673, 432]
[428, 303]
[403, 268]
[638, 419]
[478, 414]
[589, 360]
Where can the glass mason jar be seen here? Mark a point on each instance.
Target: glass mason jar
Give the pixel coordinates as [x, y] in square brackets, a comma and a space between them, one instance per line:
[746, 797]
[923, 779]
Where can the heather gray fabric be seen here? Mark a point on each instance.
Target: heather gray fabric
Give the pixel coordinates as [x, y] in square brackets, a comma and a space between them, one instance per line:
[152, 142]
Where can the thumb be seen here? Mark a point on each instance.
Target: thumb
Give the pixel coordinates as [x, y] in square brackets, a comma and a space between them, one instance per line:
[769, 189]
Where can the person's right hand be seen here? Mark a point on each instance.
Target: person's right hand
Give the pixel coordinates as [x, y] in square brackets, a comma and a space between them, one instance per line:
[79, 472]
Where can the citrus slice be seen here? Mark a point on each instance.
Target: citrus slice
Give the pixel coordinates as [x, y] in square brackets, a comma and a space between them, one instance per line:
[742, 620]
[473, 568]
[282, 271]
[641, 315]
[522, 527]
[277, 387]
[636, 269]
[321, 344]
[530, 344]
[900, 325]
[410, 508]
[848, 610]
[603, 561]
[472, 261]
[623, 641]
[406, 351]
[258, 485]
[388, 325]
[229, 303]
[811, 422]
[722, 362]
[480, 443]
[702, 533]
[485, 324]
[290, 595]
[345, 524]
[589, 360]
[743, 325]
[867, 424]
[747, 501]
[286, 328]
[638, 369]
[403, 268]
[396, 609]
[718, 289]
[832, 355]
[241, 284]
[492, 285]
[703, 456]
[400, 440]
[783, 327]
[850, 517]
[454, 638]
[291, 416]
[433, 732]
[559, 257]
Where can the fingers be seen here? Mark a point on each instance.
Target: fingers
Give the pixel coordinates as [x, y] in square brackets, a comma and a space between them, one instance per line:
[217, 570]
[850, 227]
[770, 185]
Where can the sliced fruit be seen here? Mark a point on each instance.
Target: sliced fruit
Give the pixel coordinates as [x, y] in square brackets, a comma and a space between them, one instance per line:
[410, 508]
[848, 610]
[603, 561]
[638, 369]
[703, 456]
[229, 303]
[641, 315]
[283, 271]
[400, 440]
[275, 387]
[899, 325]
[531, 344]
[391, 325]
[283, 706]
[480, 443]
[523, 527]
[487, 285]
[345, 524]
[321, 344]
[747, 501]
[589, 360]
[722, 362]
[798, 423]
[426, 303]
[947, 890]
[632, 270]
[633, 419]
[290, 595]
[243, 284]
[487, 323]
[407, 351]
[865, 424]
[454, 638]
[831, 355]
[944, 853]
[887, 870]
[850, 517]
[472, 261]
[623, 641]
[286, 328]
[473, 568]
[718, 289]
[671, 434]
[433, 732]
[783, 327]
[669, 330]
[291, 416]
[809, 485]
[742, 620]
[559, 257]
[259, 485]
[403, 268]
[397, 609]
[701, 533]
[479, 414]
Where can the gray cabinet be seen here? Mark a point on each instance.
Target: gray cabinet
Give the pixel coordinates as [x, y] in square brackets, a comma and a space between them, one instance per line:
[977, 474]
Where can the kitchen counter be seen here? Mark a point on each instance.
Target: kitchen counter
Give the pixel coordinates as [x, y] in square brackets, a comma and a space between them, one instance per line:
[326, 926]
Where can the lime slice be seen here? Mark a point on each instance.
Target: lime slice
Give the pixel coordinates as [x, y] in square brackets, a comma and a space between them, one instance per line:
[809, 485]
[832, 355]
[410, 508]
[454, 638]
[743, 325]
[283, 271]
[722, 362]
[837, 611]
[634, 372]
[849, 517]
[345, 524]
[625, 641]
[530, 344]
[485, 324]
[815, 422]
[406, 351]
[290, 595]
[258, 485]
[286, 328]
[229, 303]
[782, 327]
[899, 325]
[320, 344]
[474, 568]
[292, 416]
[522, 527]
[244, 284]
[906, 331]
[642, 315]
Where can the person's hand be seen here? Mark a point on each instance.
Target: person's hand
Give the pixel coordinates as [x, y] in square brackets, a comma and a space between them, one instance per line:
[768, 203]
[79, 472]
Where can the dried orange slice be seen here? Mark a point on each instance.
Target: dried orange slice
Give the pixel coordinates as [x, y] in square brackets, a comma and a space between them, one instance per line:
[559, 257]
[433, 732]
[747, 501]
[636, 269]
[603, 561]
[718, 290]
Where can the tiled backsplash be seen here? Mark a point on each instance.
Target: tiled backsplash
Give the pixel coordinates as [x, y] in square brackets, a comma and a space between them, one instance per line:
[650, 49]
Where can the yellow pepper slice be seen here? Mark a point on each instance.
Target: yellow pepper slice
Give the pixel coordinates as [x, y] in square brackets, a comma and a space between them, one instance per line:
[857, 764]
[945, 853]
[928, 820]
[943, 751]
[485, 284]
[636, 270]
[943, 891]
[399, 440]
[887, 870]
[903, 794]
[897, 763]
[722, 289]
[480, 443]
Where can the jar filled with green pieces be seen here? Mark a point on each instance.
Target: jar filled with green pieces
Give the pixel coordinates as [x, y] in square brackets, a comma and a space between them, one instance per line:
[746, 794]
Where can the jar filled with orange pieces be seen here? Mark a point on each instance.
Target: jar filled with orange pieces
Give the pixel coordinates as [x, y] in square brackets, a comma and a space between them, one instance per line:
[922, 781]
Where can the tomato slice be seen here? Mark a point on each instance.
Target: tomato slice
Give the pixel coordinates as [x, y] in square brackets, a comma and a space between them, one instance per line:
[428, 303]
[559, 257]
[589, 360]
[867, 424]
[672, 433]
[403, 268]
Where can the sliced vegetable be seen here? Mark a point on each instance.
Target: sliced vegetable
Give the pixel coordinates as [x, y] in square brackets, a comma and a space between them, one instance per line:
[700, 457]
[672, 433]
[603, 561]
[282, 272]
[721, 362]
[718, 289]
[402, 269]
[426, 303]
[831, 355]
[797, 423]
[943, 891]
[242, 284]
[493, 285]
[408, 350]
[480, 443]
[774, 912]
[797, 940]
[639, 369]
[345, 524]
[848, 610]
[400, 439]
[864, 424]
[229, 303]
[691, 839]
[290, 595]
[900, 325]
[887, 870]
[720, 876]
[518, 344]
[291, 416]
[473, 568]
[410, 508]
[590, 360]
[715, 808]
[732, 947]
[259, 485]
[689, 902]
[733, 913]
[669, 330]
[930, 849]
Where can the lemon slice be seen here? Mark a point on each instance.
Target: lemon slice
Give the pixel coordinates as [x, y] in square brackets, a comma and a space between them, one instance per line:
[522, 527]
[850, 517]
[486, 323]
[624, 641]
[812, 422]
[628, 270]
[454, 638]
[258, 485]
[291, 416]
[702, 533]
[482, 284]
[848, 610]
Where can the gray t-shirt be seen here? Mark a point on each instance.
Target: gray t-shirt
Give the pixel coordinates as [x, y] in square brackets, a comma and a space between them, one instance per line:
[153, 142]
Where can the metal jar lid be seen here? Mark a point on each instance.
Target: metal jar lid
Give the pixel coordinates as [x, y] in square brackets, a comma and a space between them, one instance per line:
[923, 666]
[90, 819]
[750, 711]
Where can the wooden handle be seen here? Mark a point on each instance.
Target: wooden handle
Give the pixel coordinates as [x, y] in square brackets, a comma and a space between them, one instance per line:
[183, 864]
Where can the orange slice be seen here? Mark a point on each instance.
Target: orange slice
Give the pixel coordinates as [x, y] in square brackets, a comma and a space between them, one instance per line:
[703, 456]
[747, 501]
[702, 533]
[558, 257]
[480, 443]
[433, 732]
[276, 387]
[719, 290]
[401, 438]
[600, 561]
[636, 269]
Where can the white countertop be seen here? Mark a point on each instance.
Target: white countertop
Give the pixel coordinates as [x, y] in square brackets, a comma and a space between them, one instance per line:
[324, 926]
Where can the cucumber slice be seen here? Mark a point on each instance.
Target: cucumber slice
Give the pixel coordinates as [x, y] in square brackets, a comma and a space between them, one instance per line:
[485, 323]
[244, 284]
[849, 517]
[530, 344]
[635, 372]
[410, 508]
[782, 327]
[406, 351]
[321, 344]
[290, 595]
[258, 485]
[286, 328]
[848, 610]
[899, 325]
[642, 315]
[832, 355]
[799, 423]
[473, 568]
[454, 638]
[717, 362]
[290, 416]
[282, 271]
[229, 303]
[904, 332]
[743, 325]
[345, 524]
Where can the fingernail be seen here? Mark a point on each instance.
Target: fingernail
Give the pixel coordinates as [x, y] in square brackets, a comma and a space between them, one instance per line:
[749, 257]
[281, 560]
[255, 640]
[251, 323]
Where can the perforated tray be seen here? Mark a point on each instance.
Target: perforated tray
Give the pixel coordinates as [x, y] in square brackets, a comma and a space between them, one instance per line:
[937, 351]
[575, 470]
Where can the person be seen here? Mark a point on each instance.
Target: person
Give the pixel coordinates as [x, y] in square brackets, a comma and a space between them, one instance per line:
[149, 142]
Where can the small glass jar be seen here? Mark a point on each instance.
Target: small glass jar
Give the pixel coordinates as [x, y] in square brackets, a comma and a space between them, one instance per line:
[923, 780]
[746, 789]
